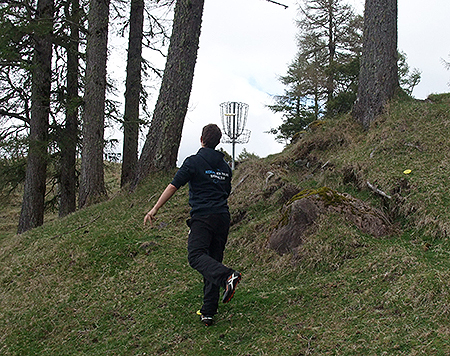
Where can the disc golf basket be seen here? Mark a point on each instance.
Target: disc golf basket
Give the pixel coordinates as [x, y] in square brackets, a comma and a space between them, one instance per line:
[234, 118]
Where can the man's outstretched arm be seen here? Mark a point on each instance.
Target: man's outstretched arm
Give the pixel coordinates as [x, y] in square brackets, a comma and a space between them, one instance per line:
[165, 196]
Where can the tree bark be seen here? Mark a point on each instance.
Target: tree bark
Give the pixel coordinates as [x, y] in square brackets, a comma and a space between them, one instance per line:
[331, 51]
[92, 183]
[68, 143]
[163, 140]
[378, 79]
[32, 212]
[132, 93]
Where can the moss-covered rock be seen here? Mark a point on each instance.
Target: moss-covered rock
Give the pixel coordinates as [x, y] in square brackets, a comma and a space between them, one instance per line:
[304, 208]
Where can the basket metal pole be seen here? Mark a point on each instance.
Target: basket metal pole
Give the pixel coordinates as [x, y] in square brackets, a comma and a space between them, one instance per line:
[233, 143]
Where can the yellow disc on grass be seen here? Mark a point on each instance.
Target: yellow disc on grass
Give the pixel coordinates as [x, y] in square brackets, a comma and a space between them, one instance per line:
[407, 171]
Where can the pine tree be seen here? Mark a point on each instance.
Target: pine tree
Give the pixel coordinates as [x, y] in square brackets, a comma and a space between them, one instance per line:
[322, 80]
[69, 137]
[163, 140]
[132, 93]
[153, 37]
[331, 28]
[378, 78]
[92, 181]
[32, 212]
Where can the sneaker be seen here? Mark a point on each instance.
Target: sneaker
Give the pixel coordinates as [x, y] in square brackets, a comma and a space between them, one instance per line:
[205, 319]
[230, 286]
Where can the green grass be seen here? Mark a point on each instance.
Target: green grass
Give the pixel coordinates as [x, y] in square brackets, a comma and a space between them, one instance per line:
[98, 282]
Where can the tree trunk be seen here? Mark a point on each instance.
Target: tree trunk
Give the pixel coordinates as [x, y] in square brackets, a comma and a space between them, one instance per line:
[92, 183]
[163, 140]
[132, 93]
[378, 78]
[331, 52]
[32, 213]
[68, 144]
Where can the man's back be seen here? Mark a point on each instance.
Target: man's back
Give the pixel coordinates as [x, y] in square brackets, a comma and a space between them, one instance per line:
[209, 178]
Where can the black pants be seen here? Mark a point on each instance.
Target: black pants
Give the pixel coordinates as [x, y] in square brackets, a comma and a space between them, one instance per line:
[206, 244]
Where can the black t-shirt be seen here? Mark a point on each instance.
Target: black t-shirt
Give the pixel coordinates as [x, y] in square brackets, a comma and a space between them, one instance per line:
[209, 178]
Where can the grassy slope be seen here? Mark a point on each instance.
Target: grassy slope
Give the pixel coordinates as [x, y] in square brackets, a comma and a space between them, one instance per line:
[99, 283]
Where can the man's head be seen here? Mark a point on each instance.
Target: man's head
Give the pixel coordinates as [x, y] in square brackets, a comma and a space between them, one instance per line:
[211, 136]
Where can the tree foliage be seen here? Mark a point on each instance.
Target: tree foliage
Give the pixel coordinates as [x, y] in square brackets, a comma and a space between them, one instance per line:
[67, 86]
[16, 53]
[322, 79]
[330, 35]
[408, 79]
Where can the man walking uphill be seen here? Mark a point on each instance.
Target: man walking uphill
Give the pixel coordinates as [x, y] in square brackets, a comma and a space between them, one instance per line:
[209, 178]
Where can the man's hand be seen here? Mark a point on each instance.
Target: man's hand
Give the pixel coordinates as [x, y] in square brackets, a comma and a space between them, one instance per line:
[165, 196]
[150, 217]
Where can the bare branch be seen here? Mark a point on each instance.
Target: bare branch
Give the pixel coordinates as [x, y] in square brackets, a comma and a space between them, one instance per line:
[274, 2]
[378, 191]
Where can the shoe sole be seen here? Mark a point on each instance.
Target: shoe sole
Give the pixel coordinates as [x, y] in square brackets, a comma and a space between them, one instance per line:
[234, 290]
[207, 321]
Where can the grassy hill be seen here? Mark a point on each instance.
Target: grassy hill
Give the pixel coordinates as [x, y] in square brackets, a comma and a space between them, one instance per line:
[98, 283]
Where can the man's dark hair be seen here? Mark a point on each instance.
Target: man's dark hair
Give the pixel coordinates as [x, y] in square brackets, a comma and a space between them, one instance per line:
[211, 135]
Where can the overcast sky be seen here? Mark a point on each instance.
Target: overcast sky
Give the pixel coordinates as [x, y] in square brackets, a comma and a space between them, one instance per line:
[245, 45]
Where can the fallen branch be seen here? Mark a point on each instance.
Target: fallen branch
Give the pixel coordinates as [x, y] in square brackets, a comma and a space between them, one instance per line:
[320, 166]
[378, 191]
[240, 182]
[269, 175]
